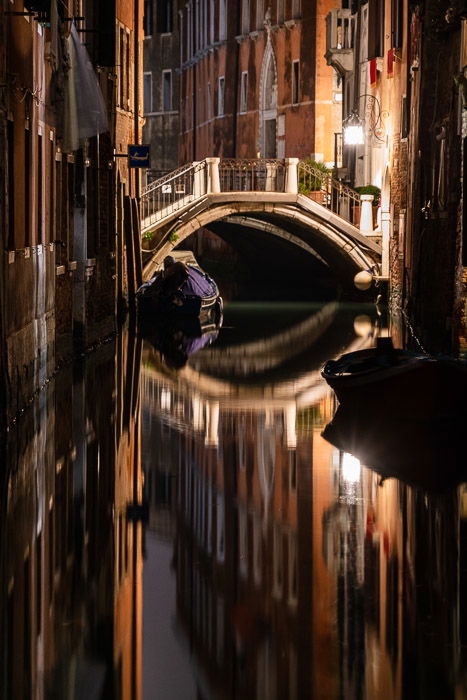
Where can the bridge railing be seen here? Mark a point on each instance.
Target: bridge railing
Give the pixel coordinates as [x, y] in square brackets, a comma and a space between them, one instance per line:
[330, 193]
[187, 184]
[255, 175]
[173, 191]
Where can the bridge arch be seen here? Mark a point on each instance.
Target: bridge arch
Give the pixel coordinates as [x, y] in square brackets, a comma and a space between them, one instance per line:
[317, 235]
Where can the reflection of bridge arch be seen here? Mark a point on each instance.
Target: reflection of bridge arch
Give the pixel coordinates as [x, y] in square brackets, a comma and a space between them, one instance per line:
[209, 397]
[294, 218]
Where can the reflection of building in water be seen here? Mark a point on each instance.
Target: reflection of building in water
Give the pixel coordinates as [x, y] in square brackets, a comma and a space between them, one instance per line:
[71, 559]
[240, 492]
[299, 574]
[393, 551]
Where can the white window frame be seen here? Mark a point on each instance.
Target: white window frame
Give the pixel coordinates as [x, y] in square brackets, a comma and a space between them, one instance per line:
[220, 96]
[244, 92]
[145, 74]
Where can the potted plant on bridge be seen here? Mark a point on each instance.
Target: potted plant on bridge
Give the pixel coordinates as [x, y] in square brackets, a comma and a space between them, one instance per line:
[313, 180]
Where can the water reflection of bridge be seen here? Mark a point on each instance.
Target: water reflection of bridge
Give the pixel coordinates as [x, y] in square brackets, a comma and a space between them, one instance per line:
[298, 576]
[257, 376]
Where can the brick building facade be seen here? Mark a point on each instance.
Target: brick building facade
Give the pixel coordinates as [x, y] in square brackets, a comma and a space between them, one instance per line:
[161, 85]
[254, 80]
[62, 261]
[403, 69]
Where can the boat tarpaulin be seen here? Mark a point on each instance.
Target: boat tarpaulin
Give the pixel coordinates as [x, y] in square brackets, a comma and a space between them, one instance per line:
[198, 284]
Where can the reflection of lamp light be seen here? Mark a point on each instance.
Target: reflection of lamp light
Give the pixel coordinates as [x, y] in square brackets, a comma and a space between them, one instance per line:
[352, 128]
[350, 468]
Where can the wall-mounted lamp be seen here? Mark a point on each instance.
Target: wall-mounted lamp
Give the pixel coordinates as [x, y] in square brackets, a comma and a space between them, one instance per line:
[352, 126]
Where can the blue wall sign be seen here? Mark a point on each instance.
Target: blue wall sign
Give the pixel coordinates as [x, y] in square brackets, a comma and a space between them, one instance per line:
[138, 156]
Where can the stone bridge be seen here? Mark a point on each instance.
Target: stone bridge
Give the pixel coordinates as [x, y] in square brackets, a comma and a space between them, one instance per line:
[288, 199]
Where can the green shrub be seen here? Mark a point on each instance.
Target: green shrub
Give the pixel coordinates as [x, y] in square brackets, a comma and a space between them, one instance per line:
[370, 189]
[307, 182]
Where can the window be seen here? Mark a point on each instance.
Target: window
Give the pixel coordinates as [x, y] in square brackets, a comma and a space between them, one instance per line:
[209, 102]
[164, 17]
[181, 24]
[220, 96]
[166, 90]
[259, 14]
[397, 22]
[223, 20]
[127, 69]
[11, 184]
[293, 470]
[296, 9]
[147, 20]
[52, 191]
[147, 92]
[121, 61]
[375, 28]
[404, 117]
[280, 11]
[40, 190]
[244, 92]
[212, 15]
[188, 34]
[295, 82]
[27, 186]
[245, 16]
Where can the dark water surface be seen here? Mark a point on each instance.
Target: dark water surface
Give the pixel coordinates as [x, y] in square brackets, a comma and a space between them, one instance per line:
[177, 528]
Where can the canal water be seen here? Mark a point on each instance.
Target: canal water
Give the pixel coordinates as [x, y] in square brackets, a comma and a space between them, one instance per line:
[175, 526]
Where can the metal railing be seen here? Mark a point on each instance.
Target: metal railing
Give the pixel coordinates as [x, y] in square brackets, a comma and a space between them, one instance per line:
[161, 198]
[256, 175]
[322, 188]
[172, 192]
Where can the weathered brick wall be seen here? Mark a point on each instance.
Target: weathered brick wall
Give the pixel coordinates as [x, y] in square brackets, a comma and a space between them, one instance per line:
[30, 325]
[398, 210]
[431, 290]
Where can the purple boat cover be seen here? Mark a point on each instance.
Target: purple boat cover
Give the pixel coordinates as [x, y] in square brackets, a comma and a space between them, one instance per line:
[198, 284]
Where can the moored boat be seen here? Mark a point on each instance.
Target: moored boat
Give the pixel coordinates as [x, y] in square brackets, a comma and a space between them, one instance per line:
[181, 289]
[398, 381]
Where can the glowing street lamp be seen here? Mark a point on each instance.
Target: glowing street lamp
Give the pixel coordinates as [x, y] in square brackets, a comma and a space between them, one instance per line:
[352, 128]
